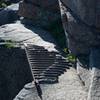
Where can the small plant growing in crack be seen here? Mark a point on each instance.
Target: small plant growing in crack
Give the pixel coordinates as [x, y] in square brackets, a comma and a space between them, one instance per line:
[71, 58]
[9, 44]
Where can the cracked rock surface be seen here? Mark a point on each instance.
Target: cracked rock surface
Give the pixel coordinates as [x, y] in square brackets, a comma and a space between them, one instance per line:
[68, 88]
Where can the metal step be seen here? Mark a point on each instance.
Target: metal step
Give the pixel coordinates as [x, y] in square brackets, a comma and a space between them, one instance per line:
[41, 53]
[47, 80]
[46, 77]
[37, 72]
[41, 56]
[55, 68]
[46, 66]
[46, 74]
[48, 70]
[42, 59]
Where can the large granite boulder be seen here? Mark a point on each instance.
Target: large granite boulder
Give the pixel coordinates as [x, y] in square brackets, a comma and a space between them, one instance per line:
[90, 73]
[69, 87]
[82, 27]
[18, 32]
[9, 14]
[14, 72]
[86, 10]
[94, 91]
[41, 12]
[12, 1]
[14, 67]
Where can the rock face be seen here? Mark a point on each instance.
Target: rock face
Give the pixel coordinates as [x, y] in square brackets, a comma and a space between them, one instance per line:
[12, 1]
[40, 12]
[83, 70]
[20, 33]
[82, 26]
[94, 92]
[9, 14]
[69, 87]
[13, 75]
[14, 68]
[90, 74]
[85, 12]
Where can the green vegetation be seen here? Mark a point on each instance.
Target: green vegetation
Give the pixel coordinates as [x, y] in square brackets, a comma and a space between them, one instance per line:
[9, 44]
[71, 58]
[4, 3]
[65, 50]
[57, 32]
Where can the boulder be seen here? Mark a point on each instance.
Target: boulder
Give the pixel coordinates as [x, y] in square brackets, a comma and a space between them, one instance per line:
[82, 27]
[40, 12]
[90, 73]
[84, 71]
[14, 72]
[14, 67]
[9, 14]
[94, 91]
[18, 32]
[12, 1]
[82, 32]
[87, 11]
[69, 86]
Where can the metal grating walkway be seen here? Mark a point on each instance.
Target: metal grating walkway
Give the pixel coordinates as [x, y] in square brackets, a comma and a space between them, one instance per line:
[45, 66]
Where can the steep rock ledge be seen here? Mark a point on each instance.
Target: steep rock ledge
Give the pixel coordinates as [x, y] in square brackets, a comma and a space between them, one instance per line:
[14, 72]
[14, 68]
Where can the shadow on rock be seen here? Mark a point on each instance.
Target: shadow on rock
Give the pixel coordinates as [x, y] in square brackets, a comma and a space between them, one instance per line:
[9, 14]
[14, 72]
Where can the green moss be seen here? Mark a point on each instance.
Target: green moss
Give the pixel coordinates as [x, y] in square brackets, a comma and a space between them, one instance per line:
[66, 51]
[9, 44]
[4, 3]
[71, 58]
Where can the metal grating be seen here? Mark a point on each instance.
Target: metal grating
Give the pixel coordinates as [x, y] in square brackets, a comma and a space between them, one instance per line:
[45, 66]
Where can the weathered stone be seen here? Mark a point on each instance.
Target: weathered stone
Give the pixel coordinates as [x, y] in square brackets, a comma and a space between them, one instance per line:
[18, 32]
[81, 24]
[68, 88]
[29, 89]
[94, 91]
[84, 72]
[77, 48]
[13, 75]
[9, 14]
[40, 12]
[82, 35]
[14, 67]
[48, 4]
[12, 1]
[85, 10]
[26, 12]
[90, 73]
[97, 23]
